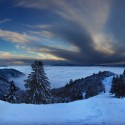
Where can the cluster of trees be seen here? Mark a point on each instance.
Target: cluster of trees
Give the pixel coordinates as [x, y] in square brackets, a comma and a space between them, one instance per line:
[118, 86]
[90, 92]
[37, 87]
[75, 92]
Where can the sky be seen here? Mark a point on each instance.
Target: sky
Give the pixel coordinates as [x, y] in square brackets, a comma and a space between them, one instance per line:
[62, 31]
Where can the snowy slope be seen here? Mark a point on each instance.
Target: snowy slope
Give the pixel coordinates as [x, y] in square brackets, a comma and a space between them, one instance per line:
[103, 109]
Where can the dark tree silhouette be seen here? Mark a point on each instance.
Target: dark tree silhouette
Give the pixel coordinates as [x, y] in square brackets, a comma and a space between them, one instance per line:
[12, 95]
[37, 85]
[118, 86]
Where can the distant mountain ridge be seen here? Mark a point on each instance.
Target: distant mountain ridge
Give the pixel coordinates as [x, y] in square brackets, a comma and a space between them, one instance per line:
[106, 65]
[5, 75]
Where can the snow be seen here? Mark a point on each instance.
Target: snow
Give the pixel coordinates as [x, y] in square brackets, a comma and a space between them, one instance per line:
[60, 75]
[107, 83]
[103, 109]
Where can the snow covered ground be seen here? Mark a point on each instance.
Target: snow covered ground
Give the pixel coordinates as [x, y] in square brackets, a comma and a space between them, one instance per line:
[60, 75]
[103, 109]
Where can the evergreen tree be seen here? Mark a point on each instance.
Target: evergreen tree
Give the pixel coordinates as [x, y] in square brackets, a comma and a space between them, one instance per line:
[114, 85]
[124, 72]
[37, 85]
[71, 82]
[121, 87]
[12, 95]
[118, 86]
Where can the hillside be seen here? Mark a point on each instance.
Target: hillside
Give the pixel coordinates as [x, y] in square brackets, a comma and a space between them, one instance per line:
[98, 110]
[9, 73]
[5, 77]
[82, 88]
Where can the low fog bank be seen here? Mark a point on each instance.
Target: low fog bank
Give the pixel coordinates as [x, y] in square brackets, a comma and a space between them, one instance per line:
[60, 75]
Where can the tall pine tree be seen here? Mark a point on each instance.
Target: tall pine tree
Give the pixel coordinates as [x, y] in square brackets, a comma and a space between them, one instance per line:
[12, 95]
[37, 85]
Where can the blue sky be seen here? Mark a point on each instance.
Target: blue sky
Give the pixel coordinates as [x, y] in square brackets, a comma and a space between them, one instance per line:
[62, 31]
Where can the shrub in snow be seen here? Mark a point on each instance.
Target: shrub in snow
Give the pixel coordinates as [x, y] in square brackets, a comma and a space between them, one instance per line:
[12, 95]
[37, 85]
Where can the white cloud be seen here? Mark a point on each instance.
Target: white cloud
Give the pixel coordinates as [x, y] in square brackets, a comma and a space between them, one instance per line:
[14, 36]
[41, 26]
[92, 15]
[5, 20]
[42, 53]
[17, 37]
[46, 34]
[32, 3]
[9, 55]
[89, 14]
[27, 49]
[47, 56]
[103, 42]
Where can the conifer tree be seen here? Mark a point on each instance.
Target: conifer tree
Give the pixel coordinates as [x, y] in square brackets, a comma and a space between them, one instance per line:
[121, 87]
[114, 85]
[124, 72]
[37, 85]
[118, 86]
[71, 82]
[12, 95]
